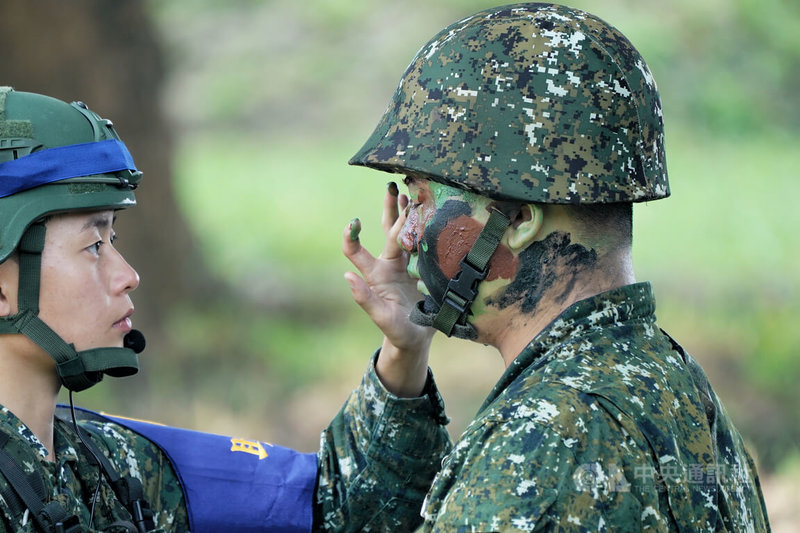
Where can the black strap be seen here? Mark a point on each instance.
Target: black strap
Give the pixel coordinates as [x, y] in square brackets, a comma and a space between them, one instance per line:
[30, 266]
[51, 516]
[128, 489]
[47, 517]
[463, 287]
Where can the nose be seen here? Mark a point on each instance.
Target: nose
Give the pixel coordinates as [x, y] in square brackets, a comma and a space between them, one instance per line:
[408, 237]
[126, 279]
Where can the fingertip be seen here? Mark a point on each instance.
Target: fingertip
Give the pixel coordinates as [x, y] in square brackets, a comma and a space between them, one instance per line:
[350, 241]
[354, 229]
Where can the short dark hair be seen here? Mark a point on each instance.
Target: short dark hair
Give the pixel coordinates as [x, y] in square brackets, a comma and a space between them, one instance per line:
[609, 222]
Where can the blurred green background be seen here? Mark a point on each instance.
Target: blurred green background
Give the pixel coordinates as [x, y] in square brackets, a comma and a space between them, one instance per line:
[265, 102]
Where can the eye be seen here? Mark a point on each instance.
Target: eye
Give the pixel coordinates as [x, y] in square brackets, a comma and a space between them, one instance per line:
[95, 248]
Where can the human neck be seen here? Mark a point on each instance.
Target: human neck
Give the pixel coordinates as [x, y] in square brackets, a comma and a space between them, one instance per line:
[511, 330]
[29, 387]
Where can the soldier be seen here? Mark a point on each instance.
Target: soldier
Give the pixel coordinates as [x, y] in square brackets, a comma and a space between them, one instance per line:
[525, 133]
[65, 320]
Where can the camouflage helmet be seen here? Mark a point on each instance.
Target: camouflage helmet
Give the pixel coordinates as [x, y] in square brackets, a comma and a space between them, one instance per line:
[533, 102]
[53, 159]
[57, 157]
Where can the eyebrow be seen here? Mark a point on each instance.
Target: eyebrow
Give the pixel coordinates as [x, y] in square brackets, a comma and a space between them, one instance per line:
[99, 221]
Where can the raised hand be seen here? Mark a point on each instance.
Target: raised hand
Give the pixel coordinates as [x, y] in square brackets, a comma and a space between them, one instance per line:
[387, 294]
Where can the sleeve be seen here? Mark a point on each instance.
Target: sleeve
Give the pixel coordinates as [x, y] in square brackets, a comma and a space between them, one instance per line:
[378, 457]
[554, 462]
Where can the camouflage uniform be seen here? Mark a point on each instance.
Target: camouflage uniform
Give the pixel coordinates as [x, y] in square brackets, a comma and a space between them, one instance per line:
[600, 424]
[376, 462]
[378, 457]
[72, 478]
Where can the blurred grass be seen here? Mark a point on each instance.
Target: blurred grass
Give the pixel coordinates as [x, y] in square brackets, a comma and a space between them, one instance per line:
[275, 209]
[281, 208]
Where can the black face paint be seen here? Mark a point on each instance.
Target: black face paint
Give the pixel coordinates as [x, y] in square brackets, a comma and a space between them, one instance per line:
[539, 265]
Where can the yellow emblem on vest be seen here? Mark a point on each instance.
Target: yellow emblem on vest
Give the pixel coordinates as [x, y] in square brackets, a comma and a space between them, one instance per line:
[249, 446]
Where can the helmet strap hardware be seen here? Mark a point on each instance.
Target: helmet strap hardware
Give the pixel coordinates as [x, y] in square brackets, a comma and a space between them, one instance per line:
[463, 287]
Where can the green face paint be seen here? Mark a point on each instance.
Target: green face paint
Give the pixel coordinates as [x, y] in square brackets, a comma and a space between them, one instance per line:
[355, 229]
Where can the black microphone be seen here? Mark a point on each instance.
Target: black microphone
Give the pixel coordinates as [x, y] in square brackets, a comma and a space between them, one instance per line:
[134, 340]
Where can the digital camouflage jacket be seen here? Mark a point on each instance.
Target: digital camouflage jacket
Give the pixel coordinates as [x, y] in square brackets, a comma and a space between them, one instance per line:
[376, 461]
[378, 457]
[72, 478]
[602, 423]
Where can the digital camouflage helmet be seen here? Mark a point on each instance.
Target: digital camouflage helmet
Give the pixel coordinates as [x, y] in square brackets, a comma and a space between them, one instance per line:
[57, 157]
[539, 103]
[532, 102]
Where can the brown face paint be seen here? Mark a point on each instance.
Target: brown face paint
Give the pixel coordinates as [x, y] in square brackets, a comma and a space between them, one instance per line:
[430, 269]
[419, 211]
[409, 234]
[441, 230]
[456, 241]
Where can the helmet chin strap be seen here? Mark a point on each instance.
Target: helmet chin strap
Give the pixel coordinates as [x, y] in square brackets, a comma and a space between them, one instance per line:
[450, 316]
[424, 313]
[76, 370]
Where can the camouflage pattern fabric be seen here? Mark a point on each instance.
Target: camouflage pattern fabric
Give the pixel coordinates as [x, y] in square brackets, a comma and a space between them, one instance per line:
[378, 457]
[600, 424]
[376, 461]
[71, 479]
[534, 102]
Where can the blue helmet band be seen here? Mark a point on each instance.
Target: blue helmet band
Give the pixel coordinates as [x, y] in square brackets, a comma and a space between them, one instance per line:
[64, 162]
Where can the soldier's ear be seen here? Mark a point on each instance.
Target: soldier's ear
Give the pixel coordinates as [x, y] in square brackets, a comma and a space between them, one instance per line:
[524, 227]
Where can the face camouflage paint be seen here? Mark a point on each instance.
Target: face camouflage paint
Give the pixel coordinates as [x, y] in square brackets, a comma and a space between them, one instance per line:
[443, 225]
[538, 270]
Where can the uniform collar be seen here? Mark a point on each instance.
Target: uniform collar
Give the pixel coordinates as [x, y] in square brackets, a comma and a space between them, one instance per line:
[20, 433]
[630, 302]
[23, 437]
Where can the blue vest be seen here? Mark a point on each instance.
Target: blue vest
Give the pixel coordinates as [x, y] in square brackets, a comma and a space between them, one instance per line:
[236, 485]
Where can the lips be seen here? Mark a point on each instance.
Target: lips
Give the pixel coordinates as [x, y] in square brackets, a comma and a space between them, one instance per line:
[124, 323]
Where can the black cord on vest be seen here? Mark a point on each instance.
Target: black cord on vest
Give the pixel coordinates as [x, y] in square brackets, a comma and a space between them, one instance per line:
[96, 459]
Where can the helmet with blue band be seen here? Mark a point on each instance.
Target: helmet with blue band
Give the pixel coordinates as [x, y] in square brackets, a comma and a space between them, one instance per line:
[57, 157]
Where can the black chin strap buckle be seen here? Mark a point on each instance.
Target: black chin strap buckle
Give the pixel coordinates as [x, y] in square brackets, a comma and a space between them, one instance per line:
[463, 288]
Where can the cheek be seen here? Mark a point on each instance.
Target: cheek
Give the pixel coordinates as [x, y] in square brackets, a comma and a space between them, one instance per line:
[457, 240]
[414, 229]
[409, 235]
[69, 290]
